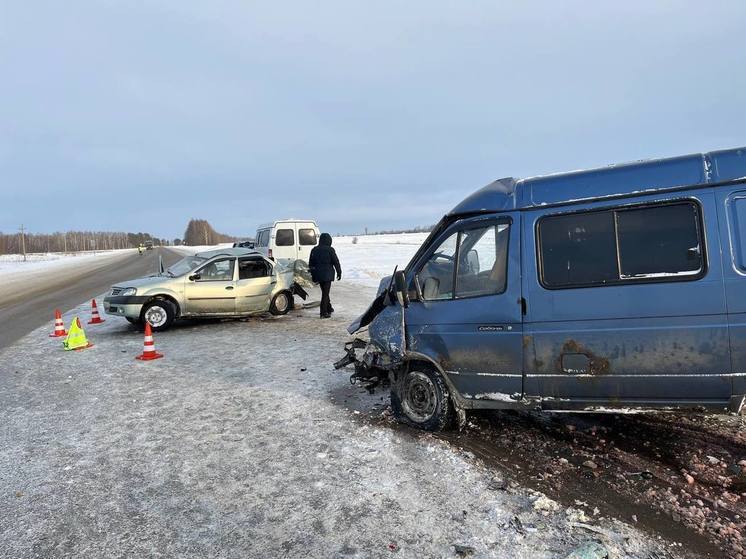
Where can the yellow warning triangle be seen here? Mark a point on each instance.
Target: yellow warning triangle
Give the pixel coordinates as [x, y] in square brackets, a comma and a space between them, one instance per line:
[76, 337]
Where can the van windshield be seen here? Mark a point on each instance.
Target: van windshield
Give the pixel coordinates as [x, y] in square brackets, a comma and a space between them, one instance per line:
[185, 265]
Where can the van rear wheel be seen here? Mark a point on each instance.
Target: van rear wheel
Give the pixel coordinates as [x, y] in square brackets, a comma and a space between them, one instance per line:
[421, 399]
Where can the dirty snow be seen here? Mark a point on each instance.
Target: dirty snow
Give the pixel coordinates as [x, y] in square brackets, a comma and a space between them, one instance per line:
[237, 444]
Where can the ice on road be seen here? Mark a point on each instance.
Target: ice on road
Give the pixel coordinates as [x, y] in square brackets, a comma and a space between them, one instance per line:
[233, 445]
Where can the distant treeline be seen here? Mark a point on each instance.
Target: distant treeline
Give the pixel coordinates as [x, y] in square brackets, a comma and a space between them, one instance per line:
[73, 241]
[200, 232]
[419, 229]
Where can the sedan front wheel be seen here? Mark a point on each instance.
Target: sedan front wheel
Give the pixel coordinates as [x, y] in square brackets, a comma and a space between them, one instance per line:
[159, 314]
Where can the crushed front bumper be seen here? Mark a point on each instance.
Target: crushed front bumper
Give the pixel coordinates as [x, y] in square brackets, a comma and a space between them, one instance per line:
[128, 307]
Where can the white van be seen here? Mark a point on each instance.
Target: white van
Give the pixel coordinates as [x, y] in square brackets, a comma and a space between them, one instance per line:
[287, 238]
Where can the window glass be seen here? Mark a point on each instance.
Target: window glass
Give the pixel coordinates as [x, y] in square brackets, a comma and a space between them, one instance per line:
[436, 276]
[252, 268]
[307, 237]
[659, 241]
[607, 247]
[262, 238]
[284, 238]
[738, 229]
[483, 261]
[578, 249]
[219, 270]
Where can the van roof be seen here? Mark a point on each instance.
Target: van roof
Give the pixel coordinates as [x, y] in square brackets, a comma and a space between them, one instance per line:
[273, 223]
[608, 182]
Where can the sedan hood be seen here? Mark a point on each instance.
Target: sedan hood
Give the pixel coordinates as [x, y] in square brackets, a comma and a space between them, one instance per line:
[145, 282]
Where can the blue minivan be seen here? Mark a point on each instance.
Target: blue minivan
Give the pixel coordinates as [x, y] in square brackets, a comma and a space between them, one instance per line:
[620, 288]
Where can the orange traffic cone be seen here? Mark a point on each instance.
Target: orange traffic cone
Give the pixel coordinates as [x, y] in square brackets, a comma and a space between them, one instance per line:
[59, 326]
[95, 317]
[148, 350]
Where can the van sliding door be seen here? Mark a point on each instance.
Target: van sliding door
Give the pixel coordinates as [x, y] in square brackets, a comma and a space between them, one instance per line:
[626, 302]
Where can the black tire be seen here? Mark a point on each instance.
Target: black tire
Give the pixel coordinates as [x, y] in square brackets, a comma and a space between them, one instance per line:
[159, 313]
[281, 303]
[421, 399]
[135, 321]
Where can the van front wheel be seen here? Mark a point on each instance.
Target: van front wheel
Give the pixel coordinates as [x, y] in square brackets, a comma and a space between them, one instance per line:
[421, 399]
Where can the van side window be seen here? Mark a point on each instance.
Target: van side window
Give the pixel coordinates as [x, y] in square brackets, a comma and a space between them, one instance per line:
[736, 204]
[262, 238]
[621, 246]
[436, 276]
[482, 261]
[284, 238]
[477, 255]
[306, 237]
[662, 241]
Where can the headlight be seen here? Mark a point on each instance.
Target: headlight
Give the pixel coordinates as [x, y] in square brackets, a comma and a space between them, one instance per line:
[127, 291]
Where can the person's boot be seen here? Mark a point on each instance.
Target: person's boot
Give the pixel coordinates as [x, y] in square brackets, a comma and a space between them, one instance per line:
[331, 309]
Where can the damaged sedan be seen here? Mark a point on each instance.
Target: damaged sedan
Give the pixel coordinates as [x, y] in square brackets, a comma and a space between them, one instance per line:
[220, 283]
[620, 288]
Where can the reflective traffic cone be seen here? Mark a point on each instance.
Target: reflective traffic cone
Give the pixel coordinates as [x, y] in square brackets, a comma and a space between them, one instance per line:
[59, 326]
[76, 339]
[95, 317]
[148, 350]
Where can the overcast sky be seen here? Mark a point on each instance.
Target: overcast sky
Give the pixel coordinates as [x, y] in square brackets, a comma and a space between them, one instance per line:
[139, 115]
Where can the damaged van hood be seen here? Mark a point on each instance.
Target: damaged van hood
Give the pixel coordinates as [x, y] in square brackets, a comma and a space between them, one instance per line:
[379, 303]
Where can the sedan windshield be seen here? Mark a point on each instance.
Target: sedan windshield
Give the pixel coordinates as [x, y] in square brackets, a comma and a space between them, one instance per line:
[185, 265]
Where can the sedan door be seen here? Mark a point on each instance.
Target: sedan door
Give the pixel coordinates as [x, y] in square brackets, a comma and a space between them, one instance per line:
[254, 285]
[210, 290]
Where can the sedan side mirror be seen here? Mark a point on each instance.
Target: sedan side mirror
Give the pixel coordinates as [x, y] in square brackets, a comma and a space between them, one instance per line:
[195, 277]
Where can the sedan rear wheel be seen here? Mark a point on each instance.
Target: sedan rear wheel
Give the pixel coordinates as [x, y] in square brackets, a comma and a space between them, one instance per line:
[281, 303]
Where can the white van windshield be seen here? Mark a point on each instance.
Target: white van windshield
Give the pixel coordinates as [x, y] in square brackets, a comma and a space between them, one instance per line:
[185, 265]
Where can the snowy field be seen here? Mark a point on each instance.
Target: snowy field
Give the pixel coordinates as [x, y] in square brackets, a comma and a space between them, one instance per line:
[239, 444]
[50, 261]
[374, 257]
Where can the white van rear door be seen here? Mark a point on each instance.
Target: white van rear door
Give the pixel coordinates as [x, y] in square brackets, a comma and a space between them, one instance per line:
[284, 241]
[308, 237]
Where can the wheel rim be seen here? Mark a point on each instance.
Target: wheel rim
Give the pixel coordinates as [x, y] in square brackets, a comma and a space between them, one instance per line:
[282, 303]
[156, 316]
[420, 397]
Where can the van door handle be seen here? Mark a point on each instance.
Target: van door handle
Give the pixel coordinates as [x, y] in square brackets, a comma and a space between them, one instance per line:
[229, 287]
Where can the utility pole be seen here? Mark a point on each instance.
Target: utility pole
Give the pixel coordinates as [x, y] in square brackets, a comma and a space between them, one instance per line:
[23, 241]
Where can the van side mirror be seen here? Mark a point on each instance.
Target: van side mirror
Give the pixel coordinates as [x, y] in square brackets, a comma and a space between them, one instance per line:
[402, 293]
[195, 277]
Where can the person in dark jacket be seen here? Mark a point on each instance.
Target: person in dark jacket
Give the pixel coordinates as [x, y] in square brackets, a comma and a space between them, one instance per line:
[323, 262]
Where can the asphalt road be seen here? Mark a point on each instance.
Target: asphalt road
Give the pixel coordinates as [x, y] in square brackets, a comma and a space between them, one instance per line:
[33, 304]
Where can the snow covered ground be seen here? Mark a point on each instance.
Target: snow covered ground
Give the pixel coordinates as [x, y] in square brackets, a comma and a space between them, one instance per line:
[50, 261]
[373, 257]
[238, 444]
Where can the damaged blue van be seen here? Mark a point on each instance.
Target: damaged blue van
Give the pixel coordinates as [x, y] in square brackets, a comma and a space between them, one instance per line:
[619, 288]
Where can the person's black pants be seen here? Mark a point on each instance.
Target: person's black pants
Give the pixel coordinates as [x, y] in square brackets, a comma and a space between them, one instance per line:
[326, 304]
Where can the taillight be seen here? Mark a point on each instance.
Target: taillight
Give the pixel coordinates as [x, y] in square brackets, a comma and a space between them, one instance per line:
[269, 253]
